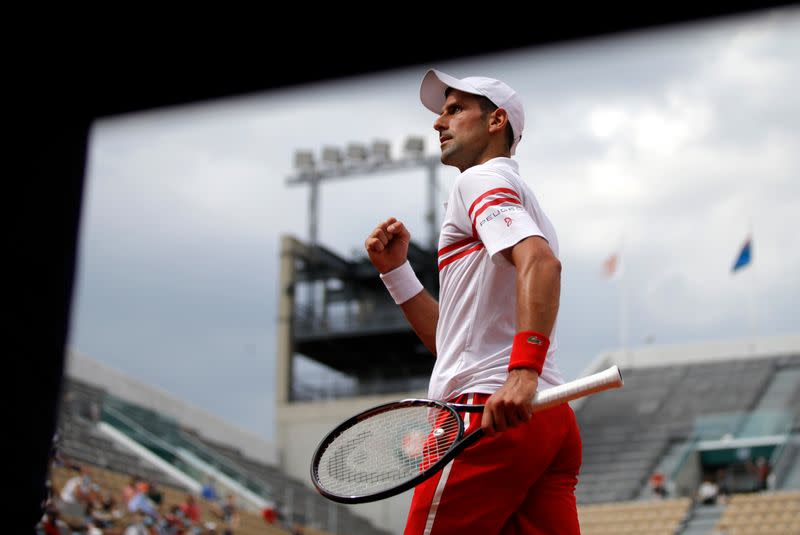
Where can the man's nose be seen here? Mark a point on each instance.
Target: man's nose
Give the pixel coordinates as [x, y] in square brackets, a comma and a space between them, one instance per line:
[439, 124]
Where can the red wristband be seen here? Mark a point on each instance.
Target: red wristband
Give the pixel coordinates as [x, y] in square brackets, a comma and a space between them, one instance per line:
[529, 351]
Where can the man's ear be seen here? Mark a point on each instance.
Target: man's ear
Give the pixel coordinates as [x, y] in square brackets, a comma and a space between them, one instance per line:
[498, 120]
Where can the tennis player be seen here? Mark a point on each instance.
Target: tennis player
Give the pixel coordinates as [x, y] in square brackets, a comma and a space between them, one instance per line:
[493, 332]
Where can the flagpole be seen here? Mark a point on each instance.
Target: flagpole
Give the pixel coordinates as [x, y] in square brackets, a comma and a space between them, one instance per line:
[752, 304]
[752, 313]
[623, 318]
[623, 304]
[614, 270]
[745, 261]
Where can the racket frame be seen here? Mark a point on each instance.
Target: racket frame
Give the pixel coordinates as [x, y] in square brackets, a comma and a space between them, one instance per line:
[457, 447]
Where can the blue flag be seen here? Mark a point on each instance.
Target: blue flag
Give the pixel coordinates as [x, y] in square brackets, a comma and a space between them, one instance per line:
[744, 256]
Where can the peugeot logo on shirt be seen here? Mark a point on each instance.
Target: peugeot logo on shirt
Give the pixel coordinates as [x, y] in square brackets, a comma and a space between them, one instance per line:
[497, 212]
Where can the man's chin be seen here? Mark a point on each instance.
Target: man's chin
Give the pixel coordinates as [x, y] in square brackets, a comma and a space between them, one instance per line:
[447, 157]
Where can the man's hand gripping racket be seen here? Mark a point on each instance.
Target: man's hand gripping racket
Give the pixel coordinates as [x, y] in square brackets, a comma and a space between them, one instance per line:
[390, 448]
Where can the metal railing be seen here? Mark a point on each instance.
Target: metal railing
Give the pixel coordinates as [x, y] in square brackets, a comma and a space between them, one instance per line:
[370, 316]
[303, 390]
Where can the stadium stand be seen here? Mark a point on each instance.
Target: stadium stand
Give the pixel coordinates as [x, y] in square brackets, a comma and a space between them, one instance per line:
[85, 409]
[79, 440]
[662, 517]
[653, 422]
[114, 482]
[770, 513]
[690, 420]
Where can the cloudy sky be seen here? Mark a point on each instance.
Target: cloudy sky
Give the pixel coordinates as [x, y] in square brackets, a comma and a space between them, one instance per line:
[671, 146]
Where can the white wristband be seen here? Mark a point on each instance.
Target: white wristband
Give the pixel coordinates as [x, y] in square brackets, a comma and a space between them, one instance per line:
[402, 283]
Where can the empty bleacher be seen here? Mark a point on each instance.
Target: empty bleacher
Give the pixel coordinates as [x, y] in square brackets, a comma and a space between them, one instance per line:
[620, 444]
[661, 517]
[767, 513]
[79, 440]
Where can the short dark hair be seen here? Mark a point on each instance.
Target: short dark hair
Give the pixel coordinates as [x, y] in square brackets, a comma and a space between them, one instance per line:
[487, 107]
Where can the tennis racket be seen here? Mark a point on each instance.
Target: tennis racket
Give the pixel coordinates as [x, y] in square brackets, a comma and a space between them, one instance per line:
[390, 448]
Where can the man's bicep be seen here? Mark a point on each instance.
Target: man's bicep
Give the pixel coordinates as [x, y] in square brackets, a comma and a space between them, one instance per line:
[529, 248]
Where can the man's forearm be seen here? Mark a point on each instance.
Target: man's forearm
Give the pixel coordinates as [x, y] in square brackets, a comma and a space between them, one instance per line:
[422, 312]
[538, 294]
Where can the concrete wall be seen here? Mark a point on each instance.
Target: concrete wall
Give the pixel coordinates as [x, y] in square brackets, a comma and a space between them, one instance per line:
[301, 426]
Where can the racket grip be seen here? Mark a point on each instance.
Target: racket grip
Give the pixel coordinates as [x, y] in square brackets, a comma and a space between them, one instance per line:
[591, 384]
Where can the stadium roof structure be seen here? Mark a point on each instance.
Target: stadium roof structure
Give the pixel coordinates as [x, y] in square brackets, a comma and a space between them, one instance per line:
[696, 352]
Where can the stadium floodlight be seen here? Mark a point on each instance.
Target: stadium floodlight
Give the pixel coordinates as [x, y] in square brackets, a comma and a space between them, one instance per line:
[332, 156]
[304, 161]
[414, 147]
[355, 158]
[381, 151]
[356, 152]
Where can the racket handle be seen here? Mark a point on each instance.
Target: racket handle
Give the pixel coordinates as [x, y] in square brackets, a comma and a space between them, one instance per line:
[591, 384]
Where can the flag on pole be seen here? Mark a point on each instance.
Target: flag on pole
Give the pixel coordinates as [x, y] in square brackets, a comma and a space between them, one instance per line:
[612, 269]
[611, 266]
[745, 256]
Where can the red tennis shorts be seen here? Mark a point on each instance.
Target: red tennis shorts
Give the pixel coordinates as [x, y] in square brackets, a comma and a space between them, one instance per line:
[521, 481]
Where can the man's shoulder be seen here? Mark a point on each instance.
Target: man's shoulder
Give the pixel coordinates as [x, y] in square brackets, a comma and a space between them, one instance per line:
[500, 164]
[493, 171]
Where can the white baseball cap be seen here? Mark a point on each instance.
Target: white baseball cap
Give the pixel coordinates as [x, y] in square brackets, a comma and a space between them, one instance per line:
[435, 83]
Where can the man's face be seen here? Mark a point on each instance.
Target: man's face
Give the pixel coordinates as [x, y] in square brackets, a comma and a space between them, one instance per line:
[463, 130]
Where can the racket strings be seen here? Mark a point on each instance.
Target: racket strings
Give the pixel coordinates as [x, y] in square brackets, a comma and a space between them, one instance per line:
[386, 450]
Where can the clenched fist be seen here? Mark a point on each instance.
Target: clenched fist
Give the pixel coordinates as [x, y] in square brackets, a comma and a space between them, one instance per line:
[387, 245]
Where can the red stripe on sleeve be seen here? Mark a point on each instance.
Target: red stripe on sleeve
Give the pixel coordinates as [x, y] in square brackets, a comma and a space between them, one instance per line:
[492, 192]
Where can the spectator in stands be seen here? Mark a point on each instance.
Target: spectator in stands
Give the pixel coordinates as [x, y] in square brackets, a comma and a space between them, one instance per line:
[725, 484]
[129, 490]
[708, 491]
[141, 503]
[269, 514]
[51, 522]
[93, 529]
[762, 471]
[95, 494]
[77, 488]
[209, 492]
[190, 509]
[657, 485]
[230, 515]
[137, 525]
[155, 495]
[175, 522]
[88, 513]
[104, 511]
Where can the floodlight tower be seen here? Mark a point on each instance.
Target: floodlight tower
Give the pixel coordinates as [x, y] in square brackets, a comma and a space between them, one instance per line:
[342, 342]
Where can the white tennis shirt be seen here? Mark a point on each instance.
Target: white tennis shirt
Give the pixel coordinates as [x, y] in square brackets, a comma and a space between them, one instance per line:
[489, 209]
